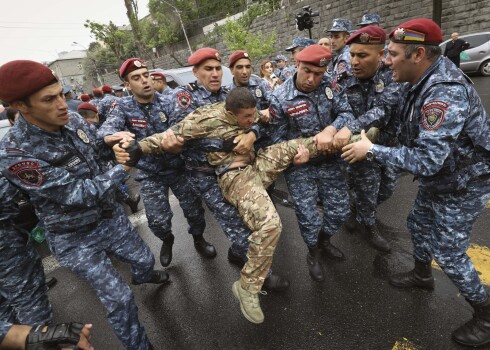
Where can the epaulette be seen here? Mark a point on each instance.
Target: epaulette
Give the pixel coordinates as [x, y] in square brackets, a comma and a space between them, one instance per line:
[225, 89]
[192, 86]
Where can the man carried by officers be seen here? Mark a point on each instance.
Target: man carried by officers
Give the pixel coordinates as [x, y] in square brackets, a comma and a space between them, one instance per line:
[243, 178]
[444, 136]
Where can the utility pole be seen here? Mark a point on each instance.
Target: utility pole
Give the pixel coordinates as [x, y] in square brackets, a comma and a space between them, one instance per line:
[181, 23]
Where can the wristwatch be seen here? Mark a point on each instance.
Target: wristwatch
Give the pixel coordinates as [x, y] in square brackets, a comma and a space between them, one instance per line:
[370, 154]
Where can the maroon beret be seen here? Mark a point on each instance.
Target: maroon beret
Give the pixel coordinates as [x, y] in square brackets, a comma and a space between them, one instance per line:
[22, 78]
[203, 54]
[88, 106]
[317, 55]
[106, 88]
[367, 35]
[158, 74]
[85, 97]
[421, 31]
[235, 56]
[130, 65]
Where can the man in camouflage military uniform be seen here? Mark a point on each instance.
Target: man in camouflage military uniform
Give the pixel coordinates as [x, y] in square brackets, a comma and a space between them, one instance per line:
[243, 178]
[372, 95]
[106, 104]
[23, 297]
[299, 43]
[53, 156]
[143, 114]
[283, 70]
[311, 104]
[339, 67]
[444, 134]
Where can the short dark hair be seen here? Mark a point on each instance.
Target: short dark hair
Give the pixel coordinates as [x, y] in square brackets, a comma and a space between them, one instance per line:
[432, 51]
[239, 98]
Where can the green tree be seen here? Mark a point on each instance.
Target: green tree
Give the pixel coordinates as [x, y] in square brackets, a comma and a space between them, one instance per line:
[120, 42]
[99, 61]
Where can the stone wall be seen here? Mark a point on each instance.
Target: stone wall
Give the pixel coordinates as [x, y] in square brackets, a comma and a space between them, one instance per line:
[463, 16]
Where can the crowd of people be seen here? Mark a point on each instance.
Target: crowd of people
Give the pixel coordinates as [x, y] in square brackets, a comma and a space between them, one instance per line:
[341, 119]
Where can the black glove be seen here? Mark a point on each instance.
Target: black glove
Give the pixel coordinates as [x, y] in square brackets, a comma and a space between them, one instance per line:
[135, 153]
[57, 336]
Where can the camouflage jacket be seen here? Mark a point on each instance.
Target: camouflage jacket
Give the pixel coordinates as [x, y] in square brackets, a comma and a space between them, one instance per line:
[60, 172]
[296, 114]
[105, 105]
[285, 73]
[339, 67]
[8, 208]
[143, 120]
[260, 89]
[443, 130]
[210, 122]
[373, 101]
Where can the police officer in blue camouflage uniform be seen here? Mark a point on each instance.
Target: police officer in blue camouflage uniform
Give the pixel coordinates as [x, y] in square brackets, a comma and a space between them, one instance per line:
[444, 134]
[283, 70]
[106, 104]
[23, 297]
[310, 104]
[97, 97]
[143, 114]
[372, 95]
[72, 104]
[339, 66]
[53, 156]
[299, 43]
[240, 65]
[369, 19]
[118, 91]
[206, 90]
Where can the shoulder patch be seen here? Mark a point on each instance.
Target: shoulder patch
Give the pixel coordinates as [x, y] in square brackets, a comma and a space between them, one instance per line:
[258, 92]
[113, 105]
[184, 99]
[433, 114]
[329, 93]
[192, 86]
[83, 136]
[27, 171]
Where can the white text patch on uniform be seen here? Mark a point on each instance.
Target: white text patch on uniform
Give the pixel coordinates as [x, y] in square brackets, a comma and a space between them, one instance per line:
[138, 123]
[298, 110]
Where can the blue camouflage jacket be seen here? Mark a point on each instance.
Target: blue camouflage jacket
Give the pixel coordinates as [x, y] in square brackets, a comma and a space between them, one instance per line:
[339, 67]
[296, 114]
[259, 88]
[60, 172]
[184, 100]
[8, 208]
[142, 121]
[373, 101]
[443, 129]
[105, 105]
[285, 73]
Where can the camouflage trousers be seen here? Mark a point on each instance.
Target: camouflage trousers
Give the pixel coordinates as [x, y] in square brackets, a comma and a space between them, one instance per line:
[155, 194]
[325, 181]
[23, 293]
[369, 185]
[441, 224]
[245, 188]
[87, 255]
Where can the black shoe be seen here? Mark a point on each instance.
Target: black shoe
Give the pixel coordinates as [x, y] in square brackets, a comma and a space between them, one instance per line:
[375, 239]
[475, 332]
[235, 259]
[166, 250]
[275, 283]
[157, 277]
[420, 276]
[133, 203]
[352, 225]
[50, 282]
[204, 248]
[314, 266]
[327, 248]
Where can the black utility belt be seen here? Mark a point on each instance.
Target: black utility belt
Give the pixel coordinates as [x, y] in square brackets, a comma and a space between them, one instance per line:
[200, 172]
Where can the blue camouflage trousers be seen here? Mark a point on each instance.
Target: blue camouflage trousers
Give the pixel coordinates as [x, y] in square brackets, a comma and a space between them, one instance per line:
[225, 214]
[307, 184]
[370, 185]
[155, 193]
[87, 255]
[441, 224]
[23, 293]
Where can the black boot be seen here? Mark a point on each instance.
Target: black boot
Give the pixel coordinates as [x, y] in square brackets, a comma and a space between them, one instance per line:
[331, 251]
[275, 283]
[235, 259]
[420, 276]
[475, 332]
[50, 282]
[375, 239]
[204, 248]
[166, 250]
[352, 225]
[314, 266]
[157, 277]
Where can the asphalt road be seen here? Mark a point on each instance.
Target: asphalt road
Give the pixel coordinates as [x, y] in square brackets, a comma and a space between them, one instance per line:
[354, 308]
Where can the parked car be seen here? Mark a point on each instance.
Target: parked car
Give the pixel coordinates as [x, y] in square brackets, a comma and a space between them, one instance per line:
[182, 76]
[479, 53]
